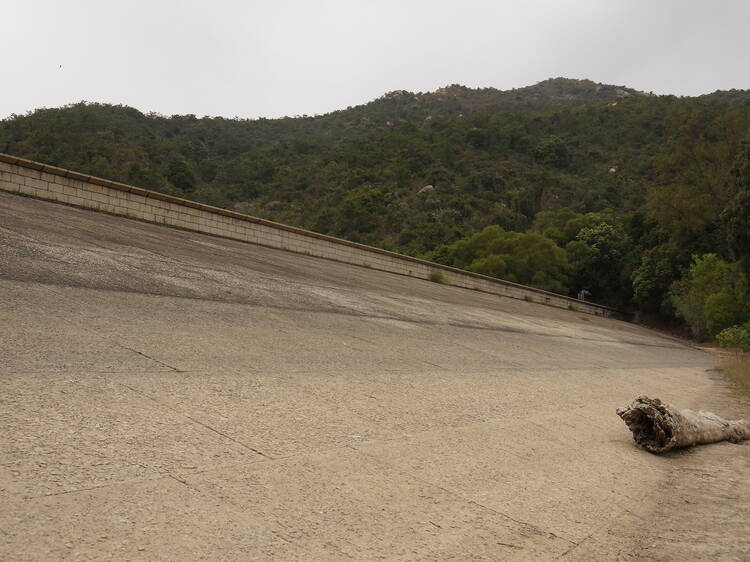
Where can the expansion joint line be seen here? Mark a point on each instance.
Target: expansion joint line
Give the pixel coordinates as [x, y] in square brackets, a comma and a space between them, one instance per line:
[92, 332]
[196, 421]
[464, 499]
[246, 446]
[175, 369]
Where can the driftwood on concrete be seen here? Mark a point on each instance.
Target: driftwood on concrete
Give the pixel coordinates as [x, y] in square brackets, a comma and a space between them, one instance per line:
[659, 427]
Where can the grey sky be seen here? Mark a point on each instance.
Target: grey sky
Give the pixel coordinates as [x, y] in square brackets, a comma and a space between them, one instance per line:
[288, 57]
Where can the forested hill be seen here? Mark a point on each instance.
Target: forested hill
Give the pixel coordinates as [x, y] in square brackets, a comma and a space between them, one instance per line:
[566, 185]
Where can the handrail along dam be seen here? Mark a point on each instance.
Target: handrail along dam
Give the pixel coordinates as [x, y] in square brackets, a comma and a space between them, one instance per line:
[179, 394]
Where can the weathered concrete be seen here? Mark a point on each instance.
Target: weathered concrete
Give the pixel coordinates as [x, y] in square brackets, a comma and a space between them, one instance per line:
[64, 186]
[171, 395]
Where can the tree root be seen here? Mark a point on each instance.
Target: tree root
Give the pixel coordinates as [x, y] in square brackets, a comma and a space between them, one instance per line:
[658, 427]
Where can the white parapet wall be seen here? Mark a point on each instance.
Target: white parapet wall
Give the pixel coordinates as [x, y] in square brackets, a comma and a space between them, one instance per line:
[33, 179]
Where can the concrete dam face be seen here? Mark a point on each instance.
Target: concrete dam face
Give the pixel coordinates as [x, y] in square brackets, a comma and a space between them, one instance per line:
[172, 394]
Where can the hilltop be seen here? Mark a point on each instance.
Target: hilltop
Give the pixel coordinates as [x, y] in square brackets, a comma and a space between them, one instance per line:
[454, 100]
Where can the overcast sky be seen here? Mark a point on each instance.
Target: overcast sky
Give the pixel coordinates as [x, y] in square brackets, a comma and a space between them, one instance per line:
[284, 57]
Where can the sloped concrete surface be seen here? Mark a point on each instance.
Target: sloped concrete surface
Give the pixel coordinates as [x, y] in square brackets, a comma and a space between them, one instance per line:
[167, 395]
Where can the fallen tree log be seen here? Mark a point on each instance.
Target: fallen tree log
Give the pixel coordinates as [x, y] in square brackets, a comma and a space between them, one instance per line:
[659, 427]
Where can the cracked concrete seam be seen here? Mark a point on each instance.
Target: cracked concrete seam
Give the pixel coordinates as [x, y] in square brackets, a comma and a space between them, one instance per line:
[195, 421]
[459, 496]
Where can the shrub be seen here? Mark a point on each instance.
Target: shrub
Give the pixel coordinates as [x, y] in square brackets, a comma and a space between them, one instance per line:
[527, 258]
[723, 310]
[736, 336]
[527, 298]
[437, 277]
[709, 276]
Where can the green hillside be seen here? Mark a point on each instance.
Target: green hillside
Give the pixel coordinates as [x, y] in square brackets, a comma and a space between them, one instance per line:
[566, 185]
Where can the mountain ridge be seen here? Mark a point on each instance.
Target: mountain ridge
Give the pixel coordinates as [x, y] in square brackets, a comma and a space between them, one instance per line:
[551, 89]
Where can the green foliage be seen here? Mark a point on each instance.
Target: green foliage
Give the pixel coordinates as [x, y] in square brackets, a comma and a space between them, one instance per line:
[437, 277]
[180, 175]
[557, 224]
[551, 150]
[711, 294]
[359, 213]
[564, 225]
[735, 336]
[694, 180]
[658, 268]
[736, 215]
[722, 310]
[598, 254]
[528, 258]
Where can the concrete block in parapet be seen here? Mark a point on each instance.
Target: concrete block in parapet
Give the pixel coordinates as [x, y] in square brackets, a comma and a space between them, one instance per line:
[36, 183]
[8, 185]
[29, 172]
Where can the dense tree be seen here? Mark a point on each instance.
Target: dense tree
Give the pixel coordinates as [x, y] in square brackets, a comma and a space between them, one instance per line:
[551, 151]
[659, 267]
[529, 258]
[694, 175]
[180, 175]
[711, 296]
[736, 215]
[598, 254]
